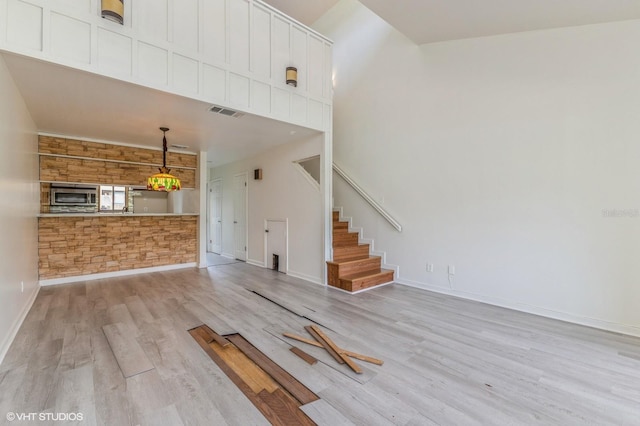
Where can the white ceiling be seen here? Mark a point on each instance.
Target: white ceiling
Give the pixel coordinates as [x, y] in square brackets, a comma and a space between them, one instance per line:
[427, 21]
[74, 103]
[79, 104]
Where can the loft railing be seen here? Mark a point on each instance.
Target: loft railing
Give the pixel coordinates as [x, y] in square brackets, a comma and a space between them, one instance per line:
[367, 198]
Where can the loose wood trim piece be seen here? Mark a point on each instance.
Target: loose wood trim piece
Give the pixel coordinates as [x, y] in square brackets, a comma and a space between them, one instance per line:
[286, 380]
[355, 367]
[329, 349]
[302, 354]
[215, 336]
[342, 351]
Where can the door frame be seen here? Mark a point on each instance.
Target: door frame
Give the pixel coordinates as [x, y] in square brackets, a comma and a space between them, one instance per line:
[210, 215]
[286, 243]
[244, 174]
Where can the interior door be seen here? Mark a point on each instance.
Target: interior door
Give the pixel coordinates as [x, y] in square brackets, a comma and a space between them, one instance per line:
[240, 216]
[277, 244]
[215, 216]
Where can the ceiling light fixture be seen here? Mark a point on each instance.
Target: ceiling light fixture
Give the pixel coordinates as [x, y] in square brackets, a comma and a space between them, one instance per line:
[163, 181]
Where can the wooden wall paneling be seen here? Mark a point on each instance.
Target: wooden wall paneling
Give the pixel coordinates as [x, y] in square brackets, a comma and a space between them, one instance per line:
[281, 99]
[327, 76]
[239, 36]
[185, 74]
[299, 56]
[152, 19]
[214, 29]
[281, 50]
[115, 53]
[153, 64]
[316, 66]
[214, 83]
[70, 39]
[239, 90]
[186, 25]
[260, 97]
[260, 42]
[24, 25]
[298, 109]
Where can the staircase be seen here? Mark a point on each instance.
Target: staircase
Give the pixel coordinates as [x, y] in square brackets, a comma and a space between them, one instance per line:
[352, 268]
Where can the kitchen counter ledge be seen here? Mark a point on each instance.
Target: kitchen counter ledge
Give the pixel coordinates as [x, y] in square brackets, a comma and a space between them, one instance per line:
[113, 214]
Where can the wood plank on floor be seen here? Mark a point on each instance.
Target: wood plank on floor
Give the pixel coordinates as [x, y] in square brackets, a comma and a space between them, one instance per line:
[131, 358]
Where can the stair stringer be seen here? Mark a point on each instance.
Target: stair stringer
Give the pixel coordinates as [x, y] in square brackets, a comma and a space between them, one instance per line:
[363, 240]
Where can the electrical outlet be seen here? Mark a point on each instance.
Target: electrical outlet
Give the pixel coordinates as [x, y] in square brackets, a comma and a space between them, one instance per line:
[452, 270]
[429, 267]
[22, 286]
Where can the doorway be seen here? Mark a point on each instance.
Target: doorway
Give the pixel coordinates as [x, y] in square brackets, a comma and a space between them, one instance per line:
[276, 244]
[240, 216]
[215, 217]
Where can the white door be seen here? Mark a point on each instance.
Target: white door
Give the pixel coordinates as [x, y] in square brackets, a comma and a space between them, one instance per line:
[240, 216]
[215, 216]
[276, 233]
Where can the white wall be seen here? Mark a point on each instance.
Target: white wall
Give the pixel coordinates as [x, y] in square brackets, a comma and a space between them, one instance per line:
[497, 155]
[19, 206]
[283, 193]
[232, 53]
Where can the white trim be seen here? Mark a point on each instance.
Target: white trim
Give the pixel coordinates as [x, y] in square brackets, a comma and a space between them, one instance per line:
[13, 331]
[305, 277]
[228, 256]
[367, 197]
[201, 187]
[90, 277]
[306, 175]
[530, 309]
[255, 263]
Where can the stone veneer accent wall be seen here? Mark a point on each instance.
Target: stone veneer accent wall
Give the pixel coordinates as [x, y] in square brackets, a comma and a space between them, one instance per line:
[76, 161]
[73, 246]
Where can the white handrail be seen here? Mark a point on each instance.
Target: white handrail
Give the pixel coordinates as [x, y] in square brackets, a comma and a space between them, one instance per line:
[367, 198]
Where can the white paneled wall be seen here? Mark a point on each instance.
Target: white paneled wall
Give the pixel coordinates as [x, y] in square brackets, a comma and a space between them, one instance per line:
[232, 53]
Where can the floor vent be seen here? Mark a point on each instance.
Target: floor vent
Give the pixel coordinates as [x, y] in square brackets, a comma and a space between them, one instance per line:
[273, 391]
[225, 111]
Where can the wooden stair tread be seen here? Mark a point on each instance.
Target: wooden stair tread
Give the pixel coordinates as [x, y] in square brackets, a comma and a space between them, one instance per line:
[352, 261]
[366, 274]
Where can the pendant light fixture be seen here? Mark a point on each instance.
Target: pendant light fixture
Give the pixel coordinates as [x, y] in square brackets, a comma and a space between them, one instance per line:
[163, 181]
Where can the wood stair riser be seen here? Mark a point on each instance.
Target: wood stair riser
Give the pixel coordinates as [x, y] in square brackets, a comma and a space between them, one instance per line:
[361, 251]
[336, 216]
[340, 225]
[385, 276]
[345, 239]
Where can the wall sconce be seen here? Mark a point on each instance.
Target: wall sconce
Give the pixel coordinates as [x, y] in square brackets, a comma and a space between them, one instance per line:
[113, 10]
[292, 76]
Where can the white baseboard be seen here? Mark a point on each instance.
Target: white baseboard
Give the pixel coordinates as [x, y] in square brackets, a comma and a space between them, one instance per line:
[256, 263]
[114, 274]
[300, 275]
[13, 331]
[228, 256]
[530, 309]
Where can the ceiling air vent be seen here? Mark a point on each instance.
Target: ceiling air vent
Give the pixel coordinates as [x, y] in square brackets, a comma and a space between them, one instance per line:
[225, 111]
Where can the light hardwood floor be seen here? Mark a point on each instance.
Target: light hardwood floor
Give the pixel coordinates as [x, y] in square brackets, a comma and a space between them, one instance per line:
[447, 361]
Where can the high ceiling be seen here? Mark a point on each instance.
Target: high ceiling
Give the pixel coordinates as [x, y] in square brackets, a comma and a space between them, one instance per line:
[75, 103]
[427, 21]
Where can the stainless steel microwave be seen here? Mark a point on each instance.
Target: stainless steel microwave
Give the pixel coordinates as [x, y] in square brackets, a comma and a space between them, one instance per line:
[73, 196]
